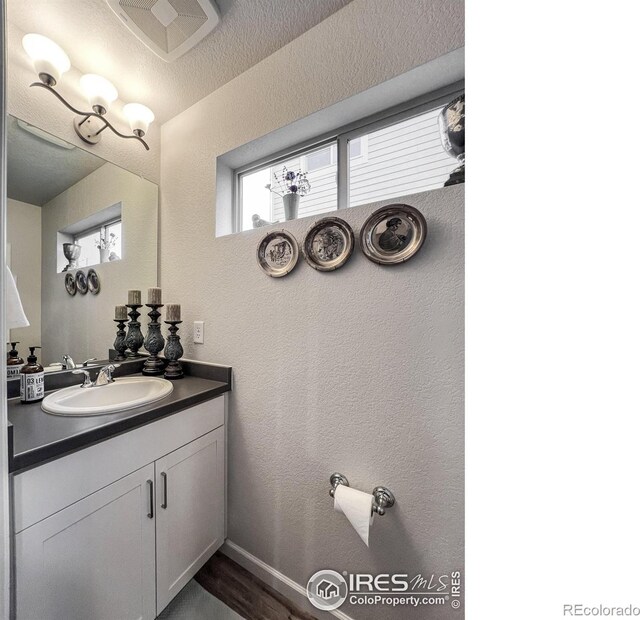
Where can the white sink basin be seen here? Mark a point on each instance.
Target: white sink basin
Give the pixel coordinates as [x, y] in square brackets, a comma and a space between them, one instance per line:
[124, 393]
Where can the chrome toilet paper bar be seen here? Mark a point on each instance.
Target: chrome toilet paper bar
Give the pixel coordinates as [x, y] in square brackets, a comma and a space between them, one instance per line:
[382, 497]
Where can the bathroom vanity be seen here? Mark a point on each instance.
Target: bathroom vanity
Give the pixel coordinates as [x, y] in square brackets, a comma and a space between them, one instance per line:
[114, 514]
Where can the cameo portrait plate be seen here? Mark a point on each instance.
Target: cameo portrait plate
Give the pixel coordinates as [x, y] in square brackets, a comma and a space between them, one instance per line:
[278, 253]
[70, 284]
[393, 234]
[93, 281]
[328, 244]
[81, 282]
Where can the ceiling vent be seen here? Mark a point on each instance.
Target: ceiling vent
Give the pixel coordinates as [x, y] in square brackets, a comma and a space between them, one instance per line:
[169, 28]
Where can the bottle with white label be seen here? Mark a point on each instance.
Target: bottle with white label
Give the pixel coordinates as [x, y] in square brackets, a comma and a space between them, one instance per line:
[31, 379]
[14, 363]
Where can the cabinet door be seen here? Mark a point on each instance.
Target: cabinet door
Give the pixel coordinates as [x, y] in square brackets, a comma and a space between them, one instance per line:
[94, 559]
[190, 520]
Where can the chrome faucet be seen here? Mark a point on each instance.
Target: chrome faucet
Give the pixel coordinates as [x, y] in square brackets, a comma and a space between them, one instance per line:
[68, 362]
[104, 376]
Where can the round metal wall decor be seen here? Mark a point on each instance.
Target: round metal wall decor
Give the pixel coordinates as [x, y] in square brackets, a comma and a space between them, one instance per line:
[393, 234]
[93, 281]
[70, 284]
[278, 253]
[81, 282]
[328, 244]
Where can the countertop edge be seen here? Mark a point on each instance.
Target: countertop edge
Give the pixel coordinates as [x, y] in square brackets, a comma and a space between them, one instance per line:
[39, 456]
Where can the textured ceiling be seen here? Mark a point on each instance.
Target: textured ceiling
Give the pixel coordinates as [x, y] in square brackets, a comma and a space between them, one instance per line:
[97, 42]
[38, 170]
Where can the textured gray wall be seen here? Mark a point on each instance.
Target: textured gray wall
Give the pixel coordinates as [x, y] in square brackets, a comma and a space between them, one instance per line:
[358, 371]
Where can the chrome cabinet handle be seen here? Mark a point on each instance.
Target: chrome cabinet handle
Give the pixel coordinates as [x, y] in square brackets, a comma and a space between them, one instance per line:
[150, 487]
[165, 492]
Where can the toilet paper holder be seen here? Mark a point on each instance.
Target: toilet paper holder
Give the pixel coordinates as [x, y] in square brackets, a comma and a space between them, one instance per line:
[382, 497]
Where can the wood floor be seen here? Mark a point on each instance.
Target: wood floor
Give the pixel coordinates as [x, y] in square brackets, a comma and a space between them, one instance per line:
[237, 588]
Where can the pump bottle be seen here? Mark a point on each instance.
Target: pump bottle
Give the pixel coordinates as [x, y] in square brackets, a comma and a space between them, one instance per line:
[14, 362]
[31, 379]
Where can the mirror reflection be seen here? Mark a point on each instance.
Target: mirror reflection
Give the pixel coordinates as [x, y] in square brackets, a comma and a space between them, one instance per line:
[73, 216]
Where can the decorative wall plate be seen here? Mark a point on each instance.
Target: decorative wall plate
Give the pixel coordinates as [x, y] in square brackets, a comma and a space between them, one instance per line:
[278, 253]
[393, 234]
[328, 244]
[94, 282]
[70, 284]
[81, 282]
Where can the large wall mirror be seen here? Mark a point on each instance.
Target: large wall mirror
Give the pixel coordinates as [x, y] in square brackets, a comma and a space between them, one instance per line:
[68, 211]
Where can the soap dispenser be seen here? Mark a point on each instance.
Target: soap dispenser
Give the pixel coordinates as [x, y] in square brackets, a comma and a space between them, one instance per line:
[31, 379]
[14, 362]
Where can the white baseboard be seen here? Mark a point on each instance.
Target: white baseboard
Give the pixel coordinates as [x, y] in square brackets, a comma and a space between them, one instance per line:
[277, 580]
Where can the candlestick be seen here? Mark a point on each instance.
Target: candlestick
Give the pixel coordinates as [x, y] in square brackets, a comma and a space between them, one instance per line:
[173, 313]
[154, 296]
[121, 313]
[120, 342]
[154, 343]
[173, 352]
[134, 337]
[135, 297]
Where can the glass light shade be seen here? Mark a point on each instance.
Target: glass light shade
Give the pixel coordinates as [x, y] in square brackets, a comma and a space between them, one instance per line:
[139, 117]
[49, 59]
[99, 91]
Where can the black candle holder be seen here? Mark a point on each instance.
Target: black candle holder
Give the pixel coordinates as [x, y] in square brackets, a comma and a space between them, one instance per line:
[119, 344]
[134, 337]
[173, 352]
[154, 343]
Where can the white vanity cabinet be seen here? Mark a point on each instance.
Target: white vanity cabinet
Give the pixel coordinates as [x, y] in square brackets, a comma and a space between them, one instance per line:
[189, 500]
[94, 559]
[125, 542]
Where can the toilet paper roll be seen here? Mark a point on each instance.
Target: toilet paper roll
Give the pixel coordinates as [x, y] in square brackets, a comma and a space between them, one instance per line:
[356, 506]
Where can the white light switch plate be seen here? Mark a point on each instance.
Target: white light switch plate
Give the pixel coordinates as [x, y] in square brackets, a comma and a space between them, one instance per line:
[198, 332]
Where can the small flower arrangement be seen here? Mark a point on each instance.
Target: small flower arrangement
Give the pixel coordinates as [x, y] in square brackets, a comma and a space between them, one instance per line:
[290, 182]
[107, 244]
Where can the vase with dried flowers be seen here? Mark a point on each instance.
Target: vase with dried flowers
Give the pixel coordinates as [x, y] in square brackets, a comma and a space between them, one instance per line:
[104, 245]
[290, 186]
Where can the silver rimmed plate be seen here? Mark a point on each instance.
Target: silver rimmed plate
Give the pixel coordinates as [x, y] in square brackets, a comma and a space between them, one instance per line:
[93, 281]
[81, 282]
[328, 244]
[70, 284]
[278, 253]
[393, 234]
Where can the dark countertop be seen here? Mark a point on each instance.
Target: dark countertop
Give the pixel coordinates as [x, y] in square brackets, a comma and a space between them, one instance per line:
[38, 436]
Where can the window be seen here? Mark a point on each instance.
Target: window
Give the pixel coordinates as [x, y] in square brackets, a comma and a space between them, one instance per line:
[389, 157]
[108, 237]
[320, 166]
[320, 159]
[404, 158]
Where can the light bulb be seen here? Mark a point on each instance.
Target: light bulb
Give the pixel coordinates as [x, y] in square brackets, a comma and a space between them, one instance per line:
[139, 117]
[99, 91]
[49, 59]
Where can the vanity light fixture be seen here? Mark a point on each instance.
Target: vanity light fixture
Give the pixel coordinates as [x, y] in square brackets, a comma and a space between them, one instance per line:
[50, 62]
[139, 117]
